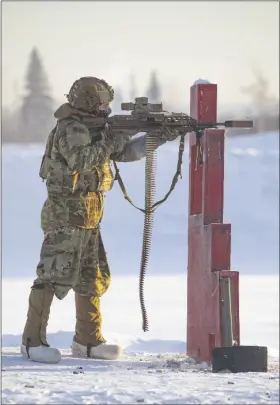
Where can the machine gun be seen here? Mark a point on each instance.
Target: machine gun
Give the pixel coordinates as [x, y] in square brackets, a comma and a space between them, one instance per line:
[147, 117]
[152, 119]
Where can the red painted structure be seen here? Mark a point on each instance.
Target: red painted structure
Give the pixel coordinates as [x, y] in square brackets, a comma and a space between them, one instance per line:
[209, 239]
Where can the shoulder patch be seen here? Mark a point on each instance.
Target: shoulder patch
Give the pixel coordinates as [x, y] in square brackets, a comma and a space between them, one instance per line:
[77, 134]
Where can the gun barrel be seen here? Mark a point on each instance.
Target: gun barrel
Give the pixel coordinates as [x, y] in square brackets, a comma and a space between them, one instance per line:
[183, 124]
[227, 124]
[239, 124]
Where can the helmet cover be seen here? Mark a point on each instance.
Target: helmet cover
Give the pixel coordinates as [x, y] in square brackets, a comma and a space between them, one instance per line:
[88, 93]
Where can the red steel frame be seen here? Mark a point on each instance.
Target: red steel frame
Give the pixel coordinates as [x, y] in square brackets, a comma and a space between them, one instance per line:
[209, 239]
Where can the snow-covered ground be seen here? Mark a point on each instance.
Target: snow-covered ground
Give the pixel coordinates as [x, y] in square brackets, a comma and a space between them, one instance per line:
[136, 379]
[154, 368]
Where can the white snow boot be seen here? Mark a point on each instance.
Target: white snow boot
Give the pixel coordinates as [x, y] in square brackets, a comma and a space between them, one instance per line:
[88, 340]
[102, 351]
[34, 342]
[41, 354]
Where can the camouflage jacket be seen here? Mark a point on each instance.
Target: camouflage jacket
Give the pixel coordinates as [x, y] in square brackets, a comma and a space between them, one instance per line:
[76, 167]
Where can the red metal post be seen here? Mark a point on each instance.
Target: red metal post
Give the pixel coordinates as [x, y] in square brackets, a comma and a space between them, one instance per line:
[209, 240]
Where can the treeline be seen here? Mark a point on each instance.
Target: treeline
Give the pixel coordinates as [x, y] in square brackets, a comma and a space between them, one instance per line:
[32, 119]
[263, 108]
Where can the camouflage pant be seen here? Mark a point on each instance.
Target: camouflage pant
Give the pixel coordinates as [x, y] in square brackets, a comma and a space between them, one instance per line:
[74, 258]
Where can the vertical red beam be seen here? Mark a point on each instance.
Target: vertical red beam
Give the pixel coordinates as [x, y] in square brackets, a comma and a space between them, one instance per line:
[203, 107]
[208, 238]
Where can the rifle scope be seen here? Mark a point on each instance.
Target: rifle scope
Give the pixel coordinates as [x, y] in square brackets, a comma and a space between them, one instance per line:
[142, 102]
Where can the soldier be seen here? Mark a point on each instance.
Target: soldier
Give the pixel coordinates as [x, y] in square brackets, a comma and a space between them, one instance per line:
[76, 167]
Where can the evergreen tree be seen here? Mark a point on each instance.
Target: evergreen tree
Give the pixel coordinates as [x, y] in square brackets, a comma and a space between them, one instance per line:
[154, 91]
[36, 113]
[118, 99]
[132, 88]
[263, 106]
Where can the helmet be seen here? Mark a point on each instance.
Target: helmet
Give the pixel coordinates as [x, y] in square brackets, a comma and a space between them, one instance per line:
[88, 93]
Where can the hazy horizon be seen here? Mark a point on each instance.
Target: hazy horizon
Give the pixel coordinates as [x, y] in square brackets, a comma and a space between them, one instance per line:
[182, 41]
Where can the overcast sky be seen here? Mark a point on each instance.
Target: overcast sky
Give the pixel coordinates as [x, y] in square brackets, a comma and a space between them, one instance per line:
[220, 41]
